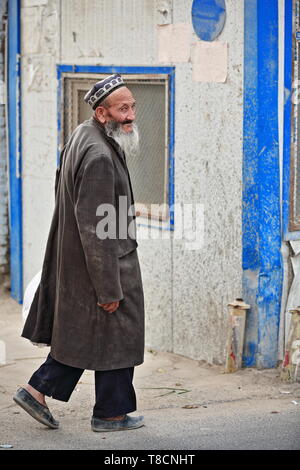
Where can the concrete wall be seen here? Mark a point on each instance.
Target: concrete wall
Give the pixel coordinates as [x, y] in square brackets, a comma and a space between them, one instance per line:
[40, 49]
[186, 292]
[209, 115]
[3, 152]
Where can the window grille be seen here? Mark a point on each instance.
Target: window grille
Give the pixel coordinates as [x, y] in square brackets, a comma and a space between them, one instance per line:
[294, 222]
[149, 170]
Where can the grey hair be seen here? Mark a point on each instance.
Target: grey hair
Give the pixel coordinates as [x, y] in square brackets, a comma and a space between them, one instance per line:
[105, 103]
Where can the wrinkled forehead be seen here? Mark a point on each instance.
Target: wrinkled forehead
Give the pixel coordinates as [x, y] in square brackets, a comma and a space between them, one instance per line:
[121, 96]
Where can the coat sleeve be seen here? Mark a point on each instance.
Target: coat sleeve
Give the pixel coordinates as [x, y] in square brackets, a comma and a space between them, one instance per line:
[93, 188]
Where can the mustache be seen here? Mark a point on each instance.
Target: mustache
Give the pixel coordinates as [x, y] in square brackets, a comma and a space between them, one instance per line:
[127, 122]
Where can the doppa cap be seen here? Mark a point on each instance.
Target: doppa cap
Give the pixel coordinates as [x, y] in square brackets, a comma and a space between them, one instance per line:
[103, 89]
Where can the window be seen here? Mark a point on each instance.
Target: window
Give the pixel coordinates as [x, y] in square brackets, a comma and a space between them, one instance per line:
[150, 171]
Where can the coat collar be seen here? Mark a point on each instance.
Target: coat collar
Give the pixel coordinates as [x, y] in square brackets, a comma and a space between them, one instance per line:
[117, 149]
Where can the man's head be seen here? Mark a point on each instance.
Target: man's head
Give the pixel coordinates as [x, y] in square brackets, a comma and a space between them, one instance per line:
[111, 101]
[115, 110]
[118, 107]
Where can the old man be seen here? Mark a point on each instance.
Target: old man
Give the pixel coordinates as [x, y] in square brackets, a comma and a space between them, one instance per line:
[89, 306]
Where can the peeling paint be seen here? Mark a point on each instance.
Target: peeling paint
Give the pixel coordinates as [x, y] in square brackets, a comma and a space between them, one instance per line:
[39, 70]
[164, 11]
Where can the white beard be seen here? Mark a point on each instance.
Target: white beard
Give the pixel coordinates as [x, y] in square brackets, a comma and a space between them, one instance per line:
[128, 141]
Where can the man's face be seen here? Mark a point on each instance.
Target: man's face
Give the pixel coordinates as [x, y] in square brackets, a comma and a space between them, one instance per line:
[120, 109]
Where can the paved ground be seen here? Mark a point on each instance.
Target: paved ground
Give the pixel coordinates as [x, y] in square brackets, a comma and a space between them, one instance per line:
[187, 404]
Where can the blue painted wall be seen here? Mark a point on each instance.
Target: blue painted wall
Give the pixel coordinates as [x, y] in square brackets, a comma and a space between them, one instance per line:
[262, 264]
[288, 59]
[208, 18]
[3, 156]
[14, 132]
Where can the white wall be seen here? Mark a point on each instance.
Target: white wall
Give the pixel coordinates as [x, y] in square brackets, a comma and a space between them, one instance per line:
[186, 292]
[209, 170]
[40, 47]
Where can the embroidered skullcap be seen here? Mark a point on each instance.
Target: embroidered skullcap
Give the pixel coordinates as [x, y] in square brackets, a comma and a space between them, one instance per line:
[103, 89]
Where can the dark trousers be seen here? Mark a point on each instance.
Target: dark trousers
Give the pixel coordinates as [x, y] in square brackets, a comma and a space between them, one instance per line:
[115, 394]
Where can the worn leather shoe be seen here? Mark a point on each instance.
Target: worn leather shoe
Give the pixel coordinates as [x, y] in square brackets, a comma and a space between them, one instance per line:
[38, 411]
[128, 422]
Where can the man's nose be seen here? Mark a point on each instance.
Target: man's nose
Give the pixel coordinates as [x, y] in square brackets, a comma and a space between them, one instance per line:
[131, 115]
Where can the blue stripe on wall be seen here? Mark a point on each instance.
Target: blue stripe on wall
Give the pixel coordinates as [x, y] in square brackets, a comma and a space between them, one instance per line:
[14, 133]
[262, 264]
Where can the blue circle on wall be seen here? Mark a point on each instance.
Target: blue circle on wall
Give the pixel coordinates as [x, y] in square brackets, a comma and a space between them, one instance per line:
[208, 18]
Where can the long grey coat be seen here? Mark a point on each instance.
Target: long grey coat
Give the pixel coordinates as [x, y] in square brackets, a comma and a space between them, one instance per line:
[80, 269]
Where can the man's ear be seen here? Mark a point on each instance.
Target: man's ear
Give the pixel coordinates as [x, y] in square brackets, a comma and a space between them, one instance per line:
[100, 112]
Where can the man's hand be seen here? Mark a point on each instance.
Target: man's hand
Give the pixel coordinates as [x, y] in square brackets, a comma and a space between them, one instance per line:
[112, 307]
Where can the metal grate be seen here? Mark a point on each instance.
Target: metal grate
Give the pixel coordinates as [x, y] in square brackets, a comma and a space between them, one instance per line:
[297, 142]
[294, 222]
[149, 170]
